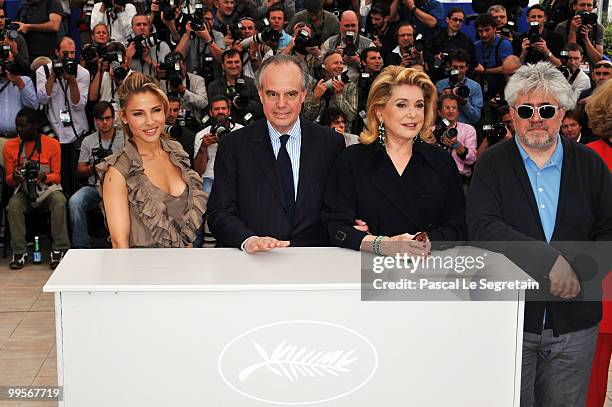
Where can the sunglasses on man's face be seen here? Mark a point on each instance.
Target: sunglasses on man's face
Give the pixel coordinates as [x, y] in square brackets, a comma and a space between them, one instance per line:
[545, 111]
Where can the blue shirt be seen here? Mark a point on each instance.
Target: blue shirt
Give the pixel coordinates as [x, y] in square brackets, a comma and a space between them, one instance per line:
[12, 100]
[485, 54]
[285, 39]
[294, 145]
[434, 8]
[545, 184]
[471, 110]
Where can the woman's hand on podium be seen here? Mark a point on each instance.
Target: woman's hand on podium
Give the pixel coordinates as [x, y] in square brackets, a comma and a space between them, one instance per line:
[258, 244]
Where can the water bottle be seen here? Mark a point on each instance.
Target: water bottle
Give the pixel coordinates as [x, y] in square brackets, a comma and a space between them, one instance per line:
[37, 255]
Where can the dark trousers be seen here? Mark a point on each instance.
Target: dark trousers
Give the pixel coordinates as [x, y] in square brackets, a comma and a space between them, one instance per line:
[69, 168]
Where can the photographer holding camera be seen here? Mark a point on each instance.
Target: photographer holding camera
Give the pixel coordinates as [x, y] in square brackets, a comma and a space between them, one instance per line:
[304, 46]
[9, 35]
[190, 88]
[179, 129]
[423, 15]
[583, 29]
[408, 51]
[570, 68]
[145, 52]
[539, 44]
[206, 141]
[63, 86]
[32, 163]
[16, 92]
[467, 91]
[371, 65]
[349, 44]
[334, 89]
[95, 147]
[239, 90]
[323, 23]
[39, 21]
[202, 46]
[449, 38]
[117, 15]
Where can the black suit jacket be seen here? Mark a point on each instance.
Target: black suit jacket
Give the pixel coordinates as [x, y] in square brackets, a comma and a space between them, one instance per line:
[501, 207]
[247, 199]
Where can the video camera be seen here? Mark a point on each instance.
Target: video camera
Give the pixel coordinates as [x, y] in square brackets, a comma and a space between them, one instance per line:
[29, 173]
[442, 130]
[65, 65]
[9, 31]
[266, 36]
[303, 40]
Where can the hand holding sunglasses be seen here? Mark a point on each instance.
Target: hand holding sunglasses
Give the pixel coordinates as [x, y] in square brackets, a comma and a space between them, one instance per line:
[526, 112]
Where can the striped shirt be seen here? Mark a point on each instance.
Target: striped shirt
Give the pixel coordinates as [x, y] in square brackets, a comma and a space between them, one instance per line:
[294, 145]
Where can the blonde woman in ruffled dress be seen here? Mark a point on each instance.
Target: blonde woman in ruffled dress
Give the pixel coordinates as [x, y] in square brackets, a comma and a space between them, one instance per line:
[151, 196]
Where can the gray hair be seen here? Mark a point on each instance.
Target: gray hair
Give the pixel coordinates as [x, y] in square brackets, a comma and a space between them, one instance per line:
[541, 76]
[281, 59]
[497, 7]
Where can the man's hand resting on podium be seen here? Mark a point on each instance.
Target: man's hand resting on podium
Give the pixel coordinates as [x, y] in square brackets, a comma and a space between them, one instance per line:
[563, 280]
[257, 244]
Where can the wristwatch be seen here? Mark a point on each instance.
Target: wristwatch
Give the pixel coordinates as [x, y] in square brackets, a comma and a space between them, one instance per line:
[549, 55]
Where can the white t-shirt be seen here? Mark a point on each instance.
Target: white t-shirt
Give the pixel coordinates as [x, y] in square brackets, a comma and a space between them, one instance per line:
[212, 151]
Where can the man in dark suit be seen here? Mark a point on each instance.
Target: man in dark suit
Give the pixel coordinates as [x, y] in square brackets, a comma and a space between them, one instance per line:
[542, 195]
[270, 176]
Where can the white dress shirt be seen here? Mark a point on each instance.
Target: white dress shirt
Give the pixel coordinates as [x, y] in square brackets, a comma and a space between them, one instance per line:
[120, 28]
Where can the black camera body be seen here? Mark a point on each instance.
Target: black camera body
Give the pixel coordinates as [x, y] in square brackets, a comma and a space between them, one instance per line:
[237, 97]
[350, 49]
[141, 42]
[508, 29]
[197, 22]
[99, 154]
[167, 8]
[442, 130]
[5, 63]
[9, 31]
[65, 65]
[90, 53]
[342, 77]
[208, 69]
[533, 34]
[29, 172]
[220, 129]
[587, 18]
[460, 90]
[303, 40]
[267, 35]
[173, 74]
[494, 132]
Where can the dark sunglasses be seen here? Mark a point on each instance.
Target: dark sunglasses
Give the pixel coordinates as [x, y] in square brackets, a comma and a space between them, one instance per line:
[545, 111]
[457, 20]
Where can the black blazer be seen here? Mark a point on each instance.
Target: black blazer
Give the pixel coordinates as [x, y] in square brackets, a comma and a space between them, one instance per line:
[365, 185]
[247, 198]
[501, 207]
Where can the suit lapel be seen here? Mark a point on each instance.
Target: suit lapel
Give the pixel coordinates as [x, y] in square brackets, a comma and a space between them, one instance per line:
[264, 156]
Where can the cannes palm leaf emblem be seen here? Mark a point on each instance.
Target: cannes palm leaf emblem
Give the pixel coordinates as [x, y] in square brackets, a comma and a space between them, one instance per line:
[290, 362]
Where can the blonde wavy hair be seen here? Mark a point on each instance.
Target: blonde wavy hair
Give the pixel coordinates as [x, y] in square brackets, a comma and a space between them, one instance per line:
[380, 93]
[599, 109]
[138, 83]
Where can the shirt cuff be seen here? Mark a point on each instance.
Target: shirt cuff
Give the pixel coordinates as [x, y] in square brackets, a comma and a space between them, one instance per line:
[242, 246]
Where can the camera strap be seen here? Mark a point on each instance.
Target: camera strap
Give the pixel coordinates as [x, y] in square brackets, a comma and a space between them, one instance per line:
[22, 152]
[67, 102]
[110, 146]
[574, 76]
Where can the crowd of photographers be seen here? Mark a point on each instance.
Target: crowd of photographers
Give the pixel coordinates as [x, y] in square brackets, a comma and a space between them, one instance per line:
[205, 56]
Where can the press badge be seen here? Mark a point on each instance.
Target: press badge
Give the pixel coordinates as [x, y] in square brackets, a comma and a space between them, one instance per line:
[65, 117]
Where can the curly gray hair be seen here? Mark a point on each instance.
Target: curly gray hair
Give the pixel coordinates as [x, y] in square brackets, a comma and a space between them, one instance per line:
[541, 76]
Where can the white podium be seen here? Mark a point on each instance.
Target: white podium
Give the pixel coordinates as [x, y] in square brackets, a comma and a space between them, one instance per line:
[219, 327]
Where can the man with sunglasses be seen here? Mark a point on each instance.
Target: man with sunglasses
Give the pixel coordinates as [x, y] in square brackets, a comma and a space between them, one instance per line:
[531, 195]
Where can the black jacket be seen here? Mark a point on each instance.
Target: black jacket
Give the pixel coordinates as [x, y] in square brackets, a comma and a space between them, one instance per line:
[247, 198]
[365, 185]
[501, 207]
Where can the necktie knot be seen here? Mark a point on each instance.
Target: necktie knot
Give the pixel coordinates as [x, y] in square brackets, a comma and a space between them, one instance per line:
[283, 139]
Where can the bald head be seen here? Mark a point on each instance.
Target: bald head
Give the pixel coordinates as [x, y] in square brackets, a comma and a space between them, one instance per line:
[66, 48]
[348, 22]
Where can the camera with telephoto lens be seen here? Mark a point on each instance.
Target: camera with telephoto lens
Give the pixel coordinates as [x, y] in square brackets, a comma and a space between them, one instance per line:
[100, 154]
[267, 35]
[455, 85]
[5, 63]
[65, 65]
[232, 29]
[442, 130]
[141, 43]
[167, 8]
[29, 173]
[494, 132]
[349, 48]
[208, 69]
[9, 31]
[91, 52]
[172, 71]
[564, 57]
[507, 29]
[116, 60]
[303, 40]
[220, 127]
[587, 18]
[198, 23]
[533, 34]
[342, 77]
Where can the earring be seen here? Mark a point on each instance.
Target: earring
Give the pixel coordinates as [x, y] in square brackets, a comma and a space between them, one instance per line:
[381, 133]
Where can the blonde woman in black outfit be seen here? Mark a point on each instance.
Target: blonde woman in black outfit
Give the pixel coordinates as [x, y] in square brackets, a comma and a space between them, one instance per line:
[393, 185]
